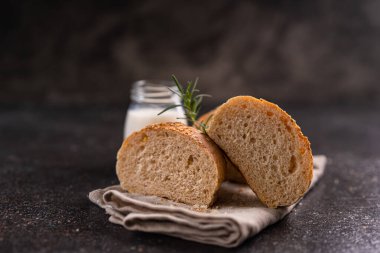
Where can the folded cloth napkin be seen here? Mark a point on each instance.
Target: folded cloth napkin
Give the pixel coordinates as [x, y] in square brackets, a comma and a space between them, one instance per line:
[236, 215]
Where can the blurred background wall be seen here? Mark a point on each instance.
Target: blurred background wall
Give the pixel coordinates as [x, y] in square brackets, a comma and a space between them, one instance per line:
[89, 52]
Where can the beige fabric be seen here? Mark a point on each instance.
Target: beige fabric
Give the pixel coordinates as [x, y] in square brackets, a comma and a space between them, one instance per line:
[236, 215]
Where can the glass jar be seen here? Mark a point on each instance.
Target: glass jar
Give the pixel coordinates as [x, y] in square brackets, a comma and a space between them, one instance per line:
[148, 98]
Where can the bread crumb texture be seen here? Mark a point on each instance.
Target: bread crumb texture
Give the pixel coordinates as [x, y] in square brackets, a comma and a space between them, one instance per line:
[267, 146]
[173, 161]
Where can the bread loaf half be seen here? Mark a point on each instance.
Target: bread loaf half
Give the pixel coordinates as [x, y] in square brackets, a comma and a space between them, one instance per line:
[267, 146]
[171, 160]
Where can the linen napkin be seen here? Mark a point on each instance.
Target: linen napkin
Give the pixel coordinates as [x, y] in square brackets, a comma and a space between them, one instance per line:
[236, 215]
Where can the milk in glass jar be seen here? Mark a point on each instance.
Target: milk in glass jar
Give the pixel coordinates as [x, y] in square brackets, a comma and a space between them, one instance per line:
[148, 99]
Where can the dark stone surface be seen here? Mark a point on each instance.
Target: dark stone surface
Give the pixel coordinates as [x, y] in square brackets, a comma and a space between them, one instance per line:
[50, 158]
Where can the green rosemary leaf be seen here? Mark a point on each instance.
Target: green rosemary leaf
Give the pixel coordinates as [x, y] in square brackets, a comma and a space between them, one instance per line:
[179, 86]
[203, 95]
[175, 92]
[168, 108]
[193, 90]
[188, 88]
[198, 102]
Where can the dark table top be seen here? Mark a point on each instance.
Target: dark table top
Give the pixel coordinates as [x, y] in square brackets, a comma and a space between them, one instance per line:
[50, 158]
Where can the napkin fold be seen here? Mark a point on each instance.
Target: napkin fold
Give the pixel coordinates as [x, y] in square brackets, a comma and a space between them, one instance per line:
[236, 215]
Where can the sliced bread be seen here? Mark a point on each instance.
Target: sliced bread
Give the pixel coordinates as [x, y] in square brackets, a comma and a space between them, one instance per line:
[232, 173]
[267, 146]
[171, 160]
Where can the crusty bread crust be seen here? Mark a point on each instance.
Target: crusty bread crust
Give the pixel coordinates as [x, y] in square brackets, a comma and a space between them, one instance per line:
[255, 172]
[183, 134]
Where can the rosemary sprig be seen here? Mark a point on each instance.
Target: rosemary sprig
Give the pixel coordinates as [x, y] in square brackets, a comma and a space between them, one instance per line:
[191, 102]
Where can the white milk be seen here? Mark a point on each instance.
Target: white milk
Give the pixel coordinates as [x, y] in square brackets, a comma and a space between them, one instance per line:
[137, 119]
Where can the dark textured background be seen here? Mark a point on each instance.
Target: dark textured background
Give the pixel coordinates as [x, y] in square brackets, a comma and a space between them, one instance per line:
[89, 52]
[66, 68]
